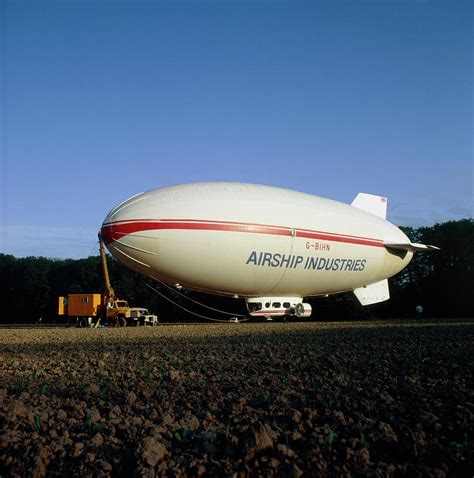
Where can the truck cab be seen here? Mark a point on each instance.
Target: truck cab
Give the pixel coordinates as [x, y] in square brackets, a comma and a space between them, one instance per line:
[124, 315]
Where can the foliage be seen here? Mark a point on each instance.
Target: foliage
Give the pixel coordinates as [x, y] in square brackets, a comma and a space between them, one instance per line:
[440, 281]
[443, 281]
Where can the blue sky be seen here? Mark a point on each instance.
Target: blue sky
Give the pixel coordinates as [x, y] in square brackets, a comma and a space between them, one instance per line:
[102, 99]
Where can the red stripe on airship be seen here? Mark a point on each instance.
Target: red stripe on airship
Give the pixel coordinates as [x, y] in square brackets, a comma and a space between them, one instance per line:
[213, 221]
[114, 231]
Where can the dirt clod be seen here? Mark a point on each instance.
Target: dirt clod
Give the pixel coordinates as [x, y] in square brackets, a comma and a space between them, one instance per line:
[153, 451]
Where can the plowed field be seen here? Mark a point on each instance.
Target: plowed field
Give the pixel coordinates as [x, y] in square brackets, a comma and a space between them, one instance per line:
[272, 399]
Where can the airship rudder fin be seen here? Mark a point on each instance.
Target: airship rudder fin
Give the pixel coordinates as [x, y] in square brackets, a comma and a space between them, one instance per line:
[373, 293]
[376, 205]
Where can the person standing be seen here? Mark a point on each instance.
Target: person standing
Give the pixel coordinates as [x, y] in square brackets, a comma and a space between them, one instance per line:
[419, 312]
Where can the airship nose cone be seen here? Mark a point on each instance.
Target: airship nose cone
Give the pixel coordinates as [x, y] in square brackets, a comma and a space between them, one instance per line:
[114, 224]
[109, 230]
[106, 233]
[122, 233]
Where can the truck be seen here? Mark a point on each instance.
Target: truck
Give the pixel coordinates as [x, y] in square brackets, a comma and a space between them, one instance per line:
[92, 309]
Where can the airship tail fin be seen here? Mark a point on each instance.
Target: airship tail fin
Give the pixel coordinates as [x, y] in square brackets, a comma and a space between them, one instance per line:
[373, 293]
[410, 246]
[376, 205]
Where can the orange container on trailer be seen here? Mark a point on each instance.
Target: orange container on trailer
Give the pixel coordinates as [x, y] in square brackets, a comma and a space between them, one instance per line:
[81, 305]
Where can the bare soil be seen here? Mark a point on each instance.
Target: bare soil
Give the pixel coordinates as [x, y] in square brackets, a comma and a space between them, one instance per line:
[272, 399]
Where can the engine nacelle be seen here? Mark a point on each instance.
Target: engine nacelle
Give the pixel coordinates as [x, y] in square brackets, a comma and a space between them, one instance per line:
[303, 310]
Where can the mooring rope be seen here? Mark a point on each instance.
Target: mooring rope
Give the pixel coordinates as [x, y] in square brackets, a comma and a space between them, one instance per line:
[197, 302]
[190, 311]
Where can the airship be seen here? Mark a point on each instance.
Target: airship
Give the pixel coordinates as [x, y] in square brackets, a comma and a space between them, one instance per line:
[271, 246]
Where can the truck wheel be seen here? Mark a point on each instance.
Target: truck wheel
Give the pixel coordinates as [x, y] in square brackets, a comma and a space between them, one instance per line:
[83, 323]
[122, 322]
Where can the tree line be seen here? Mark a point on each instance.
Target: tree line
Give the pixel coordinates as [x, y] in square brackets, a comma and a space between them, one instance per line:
[442, 282]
